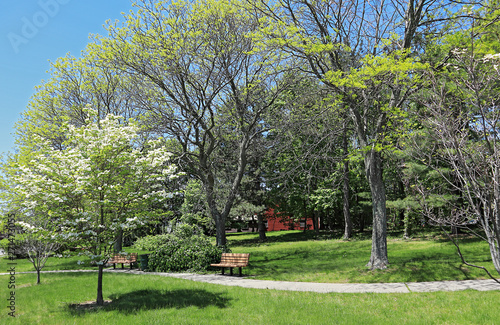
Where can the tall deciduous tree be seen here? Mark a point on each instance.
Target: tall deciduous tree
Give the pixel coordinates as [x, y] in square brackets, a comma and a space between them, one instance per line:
[362, 51]
[199, 77]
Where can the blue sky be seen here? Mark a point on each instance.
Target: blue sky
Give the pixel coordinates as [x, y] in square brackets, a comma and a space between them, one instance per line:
[34, 32]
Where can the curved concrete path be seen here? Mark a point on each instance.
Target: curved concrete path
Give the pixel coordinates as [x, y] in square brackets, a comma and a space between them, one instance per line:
[406, 287]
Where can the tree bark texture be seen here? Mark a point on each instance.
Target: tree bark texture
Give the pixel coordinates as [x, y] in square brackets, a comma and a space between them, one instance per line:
[209, 182]
[100, 299]
[119, 241]
[262, 227]
[346, 206]
[220, 221]
[373, 168]
[407, 224]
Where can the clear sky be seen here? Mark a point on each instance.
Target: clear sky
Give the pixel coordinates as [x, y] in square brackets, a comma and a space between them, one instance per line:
[34, 32]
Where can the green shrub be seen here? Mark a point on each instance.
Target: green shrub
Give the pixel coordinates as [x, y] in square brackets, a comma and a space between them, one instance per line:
[192, 254]
[150, 243]
[14, 247]
[4, 245]
[185, 231]
[181, 231]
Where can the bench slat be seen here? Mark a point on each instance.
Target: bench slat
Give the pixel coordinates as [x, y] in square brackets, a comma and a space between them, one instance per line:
[231, 260]
[123, 259]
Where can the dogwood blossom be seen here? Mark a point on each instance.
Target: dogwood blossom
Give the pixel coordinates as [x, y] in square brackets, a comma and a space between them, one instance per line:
[96, 183]
[490, 57]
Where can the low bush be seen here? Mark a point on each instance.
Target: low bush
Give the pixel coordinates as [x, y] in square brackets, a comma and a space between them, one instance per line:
[13, 247]
[181, 231]
[192, 254]
[150, 243]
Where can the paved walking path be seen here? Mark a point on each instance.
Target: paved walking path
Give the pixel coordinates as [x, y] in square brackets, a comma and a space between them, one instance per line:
[245, 282]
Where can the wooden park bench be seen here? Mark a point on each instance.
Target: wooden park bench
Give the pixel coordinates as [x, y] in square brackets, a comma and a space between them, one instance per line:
[124, 259]
[231, 260]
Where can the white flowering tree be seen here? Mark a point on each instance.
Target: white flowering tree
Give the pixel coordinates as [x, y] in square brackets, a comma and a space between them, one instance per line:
[97, 185]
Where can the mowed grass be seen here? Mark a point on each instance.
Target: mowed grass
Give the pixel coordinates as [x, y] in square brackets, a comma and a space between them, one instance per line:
[52, 264]
[290, 256]
[150, 299]
[298, 256]
[304, 257]
[73, 262]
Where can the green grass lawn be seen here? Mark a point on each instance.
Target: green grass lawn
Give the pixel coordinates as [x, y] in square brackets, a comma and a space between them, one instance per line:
[297, 256]
[149, 299]
[73, 262]
[290, 256]
[53, 263]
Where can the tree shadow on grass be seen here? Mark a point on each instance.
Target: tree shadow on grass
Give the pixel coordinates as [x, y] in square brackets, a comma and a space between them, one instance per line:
[428, 267]
[55, 263]
[279, 237]
[130, 302]
[462, 238]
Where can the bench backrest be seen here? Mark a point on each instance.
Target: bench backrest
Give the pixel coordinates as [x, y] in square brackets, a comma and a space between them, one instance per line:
[235, 258]
[119, 258]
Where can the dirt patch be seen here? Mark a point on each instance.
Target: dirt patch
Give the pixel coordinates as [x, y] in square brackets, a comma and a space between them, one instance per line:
[23, 285]
[88, 305]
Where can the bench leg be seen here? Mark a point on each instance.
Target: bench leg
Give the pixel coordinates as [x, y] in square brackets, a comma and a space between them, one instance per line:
[114, 265]
[231, 271]
[222, 271]
[240, 270]
[122, 265]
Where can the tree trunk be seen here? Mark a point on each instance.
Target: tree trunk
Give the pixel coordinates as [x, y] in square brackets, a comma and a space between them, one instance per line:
[373, 167]
[407, 224]
[346, 207]
[494, 242]
[220, 218]
[220, 226]
[316, 221]
[119, 241]
[305, 216]
[495, 253]
[37, 276]
[373, 170]
[220, 221]
[262, 227]
[100, 300]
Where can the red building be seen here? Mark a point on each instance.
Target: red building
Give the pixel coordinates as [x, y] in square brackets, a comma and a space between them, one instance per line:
[276, 222]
